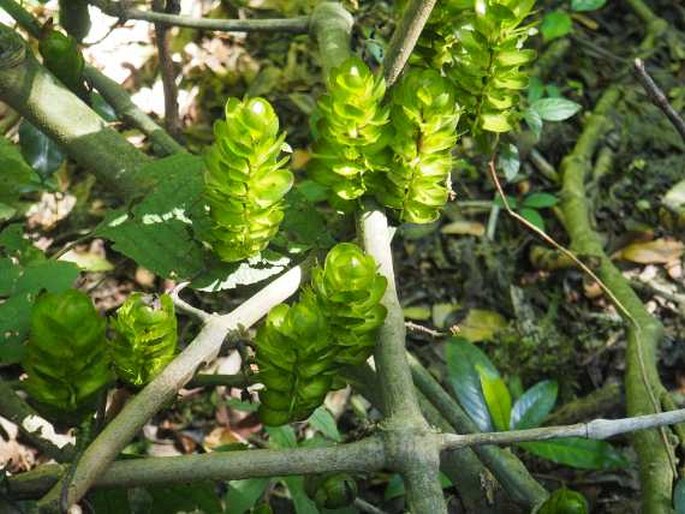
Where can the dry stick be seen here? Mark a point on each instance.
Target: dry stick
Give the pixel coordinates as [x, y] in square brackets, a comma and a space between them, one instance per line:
[658, 98]
[365, 455]
[296, 25]
[166, 69]
[100, 454]
[404, 38]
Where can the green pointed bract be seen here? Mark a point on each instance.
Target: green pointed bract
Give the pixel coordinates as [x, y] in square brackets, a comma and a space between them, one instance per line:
[300, 349]
[478, 44]
[145, 338]
[66, 356]
[425, 117]
[63, 58]
[245, 179]
[350, 128]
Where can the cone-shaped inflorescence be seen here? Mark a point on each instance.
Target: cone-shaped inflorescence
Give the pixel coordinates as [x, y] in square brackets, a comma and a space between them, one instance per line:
[349, 290]
[479, 45]
[145, 338]
[300, 349]
[245, 180]
[425, 117]
[66, 357]
[350, 130]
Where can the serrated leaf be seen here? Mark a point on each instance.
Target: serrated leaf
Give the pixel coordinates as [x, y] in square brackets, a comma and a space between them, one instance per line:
[555, 25]
[323, 421]
[578, 453]
[555, 109]
[243, 494]
[463, 358]
[531, 409]
[540, 200]
[533, 217]
[39, 151]
[509, 161]
[497, 398]
[587, 5]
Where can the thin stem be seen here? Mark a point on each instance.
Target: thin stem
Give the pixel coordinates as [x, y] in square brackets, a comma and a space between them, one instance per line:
[166, 68]
[404, 38]
[296, 25]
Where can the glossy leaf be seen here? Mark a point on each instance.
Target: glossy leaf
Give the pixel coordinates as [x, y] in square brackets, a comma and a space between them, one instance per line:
[497, 398]
[534, 405]
[578, 453]
[39, 151]
[463, 359]
[509, 162]
[555, 109]
[564, 501]
[587, 5]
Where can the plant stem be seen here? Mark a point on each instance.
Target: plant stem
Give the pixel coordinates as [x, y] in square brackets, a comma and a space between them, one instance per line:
[404, 38]
[296, 25]
[167, 72]
[33, 92]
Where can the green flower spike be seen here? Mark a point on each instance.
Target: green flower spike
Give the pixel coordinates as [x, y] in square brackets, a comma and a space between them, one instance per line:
[66, 357]
[349, 290]
[245, 181]
[145, 338]
[350, 130]
[296, 361]
[425, 117]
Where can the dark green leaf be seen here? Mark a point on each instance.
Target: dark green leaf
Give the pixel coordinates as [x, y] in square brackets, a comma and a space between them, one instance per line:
[535, 89]
[587, 5]
[539, 200]
[303, 221]
[39, 151]
[509, 161]
[15, 172]
[110, 501]
[200, 496]
[564, 501]
[497, 398]
[533, 217]
[101, 107]
[578, 453]
[512, 201]
[534, 405]
[555, 109]
[555, 25]
[679, 496]
[464, 380]
[324, 422]
[301, 501]
[243, 494]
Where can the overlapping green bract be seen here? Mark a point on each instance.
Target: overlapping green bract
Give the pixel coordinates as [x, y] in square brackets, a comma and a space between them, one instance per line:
[350, 130]
[425, 117]
[349, 290]
[479, 45]
[300, 349]
[245, 181]
[144, 339]
[66, 357]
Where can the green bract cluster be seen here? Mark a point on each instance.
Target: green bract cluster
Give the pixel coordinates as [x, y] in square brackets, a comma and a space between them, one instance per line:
[66, 357]
[245, 181]
[300, 349]
[350, 130]
[425, 117]
[349, 289]
[479, 45]
[145, 338]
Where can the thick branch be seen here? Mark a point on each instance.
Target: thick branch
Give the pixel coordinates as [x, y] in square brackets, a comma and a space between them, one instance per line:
[296, 25]
[204, 348]
[404, 38]
[33, 92]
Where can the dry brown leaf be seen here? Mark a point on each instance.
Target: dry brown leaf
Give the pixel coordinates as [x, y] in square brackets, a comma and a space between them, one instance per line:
[464, 227]
[659, 251]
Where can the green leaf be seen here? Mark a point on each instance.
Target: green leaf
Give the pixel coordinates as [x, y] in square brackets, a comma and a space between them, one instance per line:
[578, 453]
[323, 421]
[198, 496]
[15, 172]
[281, 437]
[303, 222]
[463, 358]
[100, 106]
[555, 109]
[534, 405]
[39, 151]
[497, 398]
[679, 496]
[587, 5]
[301, 501]
[533, 217]
[509, 161]
[564, 501]
[534, 122]
[243, 494]
[555, 25]
[539, 200]
[110, 501]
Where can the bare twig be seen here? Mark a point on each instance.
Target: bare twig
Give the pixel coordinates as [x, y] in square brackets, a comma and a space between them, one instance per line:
[166, 67]
[658, 98]
[185, 307]
[296, 25]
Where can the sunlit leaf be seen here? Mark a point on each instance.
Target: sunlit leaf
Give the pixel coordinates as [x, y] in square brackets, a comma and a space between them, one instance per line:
[534, 405]
[497, 398]
[555, 109]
